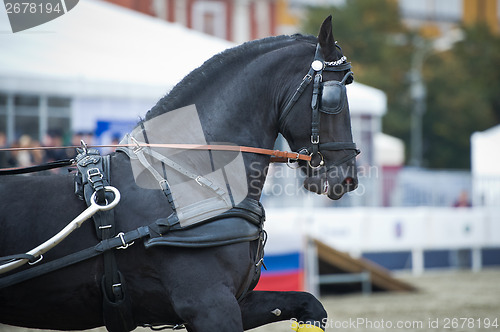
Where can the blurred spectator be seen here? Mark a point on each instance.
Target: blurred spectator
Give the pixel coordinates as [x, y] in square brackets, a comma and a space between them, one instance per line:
[6, 159]
[87, 137]
[462, 200]
[26, 158]
[114, 141]
[54, 138]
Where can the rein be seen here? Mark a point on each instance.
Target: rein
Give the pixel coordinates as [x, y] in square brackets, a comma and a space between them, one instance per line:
[277, 156]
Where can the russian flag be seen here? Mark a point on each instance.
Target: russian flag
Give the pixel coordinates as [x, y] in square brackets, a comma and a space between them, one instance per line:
[284, 273]
[283, 254]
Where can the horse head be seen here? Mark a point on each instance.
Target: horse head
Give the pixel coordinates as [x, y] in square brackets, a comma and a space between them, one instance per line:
[321, 100]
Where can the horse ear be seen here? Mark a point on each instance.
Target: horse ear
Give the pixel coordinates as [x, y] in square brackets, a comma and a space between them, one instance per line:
[327, 41]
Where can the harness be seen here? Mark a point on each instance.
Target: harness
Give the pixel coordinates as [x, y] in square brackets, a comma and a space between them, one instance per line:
[92, 184]
[328, 97]
[92, 179]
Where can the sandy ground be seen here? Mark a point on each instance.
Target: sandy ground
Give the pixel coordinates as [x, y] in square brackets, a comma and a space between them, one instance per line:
[446, 301]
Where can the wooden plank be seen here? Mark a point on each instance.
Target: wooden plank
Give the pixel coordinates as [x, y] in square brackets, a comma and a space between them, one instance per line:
[380, 276]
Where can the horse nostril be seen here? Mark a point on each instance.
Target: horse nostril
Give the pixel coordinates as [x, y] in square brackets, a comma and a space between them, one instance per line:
[350, 183]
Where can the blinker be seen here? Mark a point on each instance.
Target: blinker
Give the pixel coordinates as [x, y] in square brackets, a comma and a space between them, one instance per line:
[333, 95]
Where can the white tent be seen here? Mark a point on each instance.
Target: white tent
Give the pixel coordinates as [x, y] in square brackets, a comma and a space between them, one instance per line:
[389, 150]
[485, 165]
[364, 99]
[485, 159]
[100, 49]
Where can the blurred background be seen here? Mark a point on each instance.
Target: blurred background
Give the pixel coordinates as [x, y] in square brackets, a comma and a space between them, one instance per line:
[425, 110]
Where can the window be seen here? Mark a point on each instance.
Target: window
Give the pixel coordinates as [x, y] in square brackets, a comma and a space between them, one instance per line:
[3, 113]
[438, 10]
[59, 116]
[34, 115]
[210, 17]
[26, 119]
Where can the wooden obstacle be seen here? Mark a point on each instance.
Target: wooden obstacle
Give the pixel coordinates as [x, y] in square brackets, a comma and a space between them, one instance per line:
[337, 266]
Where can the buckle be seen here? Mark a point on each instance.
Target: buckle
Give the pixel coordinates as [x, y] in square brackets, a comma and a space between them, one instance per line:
[315, 139]
[163, 184]
[198, 179]
[124, 245]
[94, 172]
[137, 148]
[294, 161]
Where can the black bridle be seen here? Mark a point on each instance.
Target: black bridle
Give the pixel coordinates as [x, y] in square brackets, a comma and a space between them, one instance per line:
[315, 75]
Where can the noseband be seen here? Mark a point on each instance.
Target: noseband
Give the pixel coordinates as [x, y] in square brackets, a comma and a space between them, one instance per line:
[321, 91]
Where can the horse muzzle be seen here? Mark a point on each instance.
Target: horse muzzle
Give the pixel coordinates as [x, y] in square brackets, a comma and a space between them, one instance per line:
[333, 183]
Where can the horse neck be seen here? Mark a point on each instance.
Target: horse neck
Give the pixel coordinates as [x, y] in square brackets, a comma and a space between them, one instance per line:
[242, 114]
[237, 96]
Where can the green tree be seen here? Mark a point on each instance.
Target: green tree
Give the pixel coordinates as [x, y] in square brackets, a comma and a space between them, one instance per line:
[462, 83]
[374, 40]
[463, 94]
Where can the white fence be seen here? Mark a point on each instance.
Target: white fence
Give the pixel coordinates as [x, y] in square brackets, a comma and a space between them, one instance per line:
[416, 230]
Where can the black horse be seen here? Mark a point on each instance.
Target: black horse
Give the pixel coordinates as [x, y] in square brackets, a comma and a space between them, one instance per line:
[245, 96]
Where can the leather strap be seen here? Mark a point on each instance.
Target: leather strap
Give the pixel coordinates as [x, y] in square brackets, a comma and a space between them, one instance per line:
[214, 147]
[95, 173]
[74, 258]
[38, 168]
[333, 146]
[29, 257]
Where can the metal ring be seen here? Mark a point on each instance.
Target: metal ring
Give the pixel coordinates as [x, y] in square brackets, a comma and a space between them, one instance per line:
[321, 163]
[107, 206]
[289, 164]
[37, 261]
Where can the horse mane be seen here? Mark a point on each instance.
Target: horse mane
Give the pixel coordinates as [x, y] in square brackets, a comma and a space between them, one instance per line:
[223, 60]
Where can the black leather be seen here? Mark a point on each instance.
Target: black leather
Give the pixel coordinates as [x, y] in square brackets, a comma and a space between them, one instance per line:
[333, 97]
[240, 224]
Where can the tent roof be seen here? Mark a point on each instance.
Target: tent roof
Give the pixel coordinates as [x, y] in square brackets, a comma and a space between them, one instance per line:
[102, 50]
[389, 150]
[484, 156]
[364, 99]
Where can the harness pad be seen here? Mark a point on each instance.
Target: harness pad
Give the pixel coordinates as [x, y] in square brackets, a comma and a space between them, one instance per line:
[240, 224]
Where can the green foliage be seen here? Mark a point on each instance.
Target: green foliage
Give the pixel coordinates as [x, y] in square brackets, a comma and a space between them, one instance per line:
[463, 84]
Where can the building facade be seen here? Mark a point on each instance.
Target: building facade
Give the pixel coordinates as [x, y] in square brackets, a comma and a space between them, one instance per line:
[438, 17]
[234, 20]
